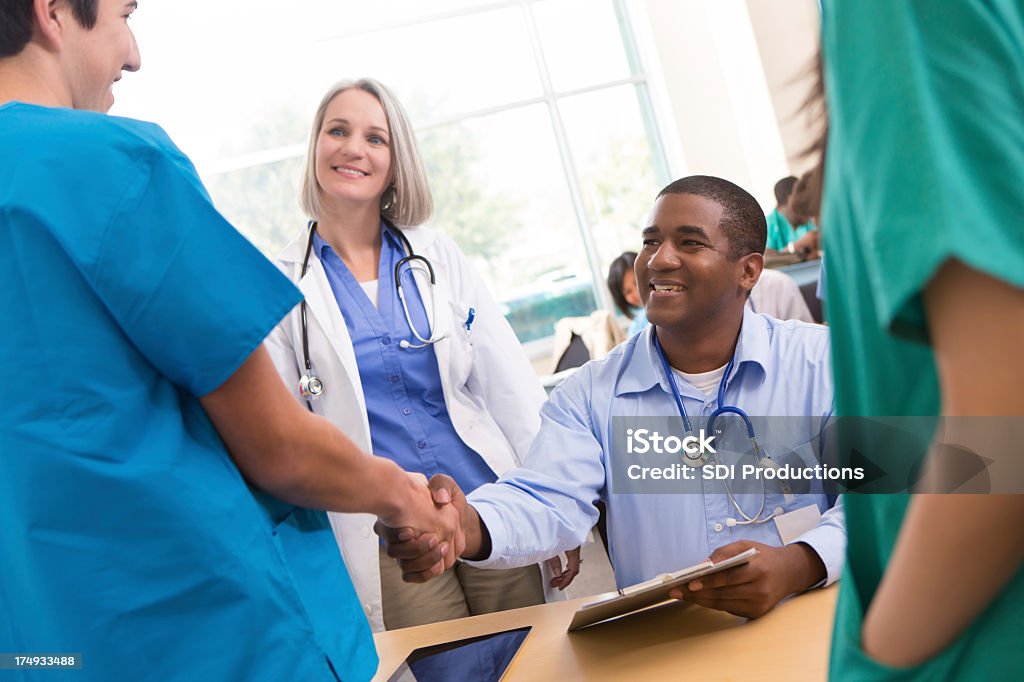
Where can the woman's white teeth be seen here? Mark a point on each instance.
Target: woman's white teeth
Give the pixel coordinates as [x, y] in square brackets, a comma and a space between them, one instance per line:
[351, 171]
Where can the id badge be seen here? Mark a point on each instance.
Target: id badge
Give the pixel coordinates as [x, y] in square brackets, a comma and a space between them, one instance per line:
[792, 525]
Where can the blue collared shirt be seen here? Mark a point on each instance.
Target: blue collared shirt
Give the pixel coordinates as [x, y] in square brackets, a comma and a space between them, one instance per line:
[547, 505]
[409, 421]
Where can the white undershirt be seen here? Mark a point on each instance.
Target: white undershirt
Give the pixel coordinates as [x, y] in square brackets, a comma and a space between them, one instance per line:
[371, 291]
[706, 382]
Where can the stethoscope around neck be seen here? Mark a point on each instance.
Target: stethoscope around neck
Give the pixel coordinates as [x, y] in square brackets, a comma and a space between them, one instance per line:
[310, 385]
[701, 458]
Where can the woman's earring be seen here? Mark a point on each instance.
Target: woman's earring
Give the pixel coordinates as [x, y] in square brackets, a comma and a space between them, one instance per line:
[389, 198]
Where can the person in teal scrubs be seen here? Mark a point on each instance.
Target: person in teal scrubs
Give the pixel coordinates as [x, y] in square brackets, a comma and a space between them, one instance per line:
[158, 483]
[923, 208]
[785, 225]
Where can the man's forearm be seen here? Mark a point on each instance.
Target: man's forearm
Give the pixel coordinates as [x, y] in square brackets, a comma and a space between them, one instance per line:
[328, 471]
[300, 458]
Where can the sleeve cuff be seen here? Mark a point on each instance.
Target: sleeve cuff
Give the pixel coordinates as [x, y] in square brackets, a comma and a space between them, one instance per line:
[490, 518]
[830, 546]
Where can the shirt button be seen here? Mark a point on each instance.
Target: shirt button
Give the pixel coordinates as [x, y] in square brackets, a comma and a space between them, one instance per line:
[368, 608]
[386, 340]
[779, 511]
[422, 444]
[718, 527]
[406, 411]
[366, 531]
[395, 378]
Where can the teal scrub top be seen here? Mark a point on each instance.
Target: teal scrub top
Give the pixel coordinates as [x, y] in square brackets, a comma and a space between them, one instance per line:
[781, 233]
[925, 163]
[128, 534]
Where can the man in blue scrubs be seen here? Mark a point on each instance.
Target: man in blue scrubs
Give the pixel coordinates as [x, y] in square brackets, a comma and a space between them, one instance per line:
[137, 405]
[701, 256]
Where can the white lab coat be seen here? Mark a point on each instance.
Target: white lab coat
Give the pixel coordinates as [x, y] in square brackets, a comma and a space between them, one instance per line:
[491, 391]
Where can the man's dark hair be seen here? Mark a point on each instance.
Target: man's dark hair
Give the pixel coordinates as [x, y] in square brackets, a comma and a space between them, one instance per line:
[783, 188]
[742, 221]
[16, 22]
[616, 273]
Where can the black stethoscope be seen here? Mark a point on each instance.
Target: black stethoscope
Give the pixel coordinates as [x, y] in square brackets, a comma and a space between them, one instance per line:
[310, 385]
[699, 459]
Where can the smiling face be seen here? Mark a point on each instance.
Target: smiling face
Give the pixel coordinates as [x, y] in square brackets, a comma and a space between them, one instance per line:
[94, 58]
[684, 271]
[353, 150]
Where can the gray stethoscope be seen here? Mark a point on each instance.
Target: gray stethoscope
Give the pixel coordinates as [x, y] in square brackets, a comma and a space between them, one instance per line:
[310, 385]
[699, 459]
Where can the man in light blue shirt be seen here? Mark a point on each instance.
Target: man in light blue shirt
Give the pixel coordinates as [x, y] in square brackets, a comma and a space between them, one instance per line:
[701, 256]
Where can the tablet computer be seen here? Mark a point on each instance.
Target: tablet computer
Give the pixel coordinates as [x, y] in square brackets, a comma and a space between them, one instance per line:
[477, 659]
[649, 593]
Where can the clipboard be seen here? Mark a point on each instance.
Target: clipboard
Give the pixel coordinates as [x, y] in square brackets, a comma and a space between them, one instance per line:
[655, 591]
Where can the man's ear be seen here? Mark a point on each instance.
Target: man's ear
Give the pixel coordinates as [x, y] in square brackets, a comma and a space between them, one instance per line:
[751, 266]
[51, 18]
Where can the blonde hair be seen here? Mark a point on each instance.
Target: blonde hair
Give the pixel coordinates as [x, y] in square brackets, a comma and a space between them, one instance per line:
[412, 204]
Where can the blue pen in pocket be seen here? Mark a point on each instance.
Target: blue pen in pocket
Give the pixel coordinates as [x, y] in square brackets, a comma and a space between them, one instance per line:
[470, 318]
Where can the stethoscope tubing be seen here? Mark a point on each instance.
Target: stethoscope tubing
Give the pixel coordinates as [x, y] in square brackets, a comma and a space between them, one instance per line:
[719, 411]
[409, 259]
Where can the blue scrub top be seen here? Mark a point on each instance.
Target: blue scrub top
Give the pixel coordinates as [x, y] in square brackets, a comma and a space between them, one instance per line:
[128, 535]
[405, 406]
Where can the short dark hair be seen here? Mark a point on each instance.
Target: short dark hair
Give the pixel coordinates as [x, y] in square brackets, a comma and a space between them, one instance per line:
[616, 273]
[742, 221]
[16, 22]
[783, 188]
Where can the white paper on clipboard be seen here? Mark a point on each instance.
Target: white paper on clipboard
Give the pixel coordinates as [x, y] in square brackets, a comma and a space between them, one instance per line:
[648, 593]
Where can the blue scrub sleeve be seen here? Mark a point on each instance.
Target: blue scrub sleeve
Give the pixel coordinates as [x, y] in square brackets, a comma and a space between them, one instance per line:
[191, 293]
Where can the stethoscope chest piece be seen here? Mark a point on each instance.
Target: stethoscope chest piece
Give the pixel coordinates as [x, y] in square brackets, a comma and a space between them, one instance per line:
[695, 460]
[310, 386]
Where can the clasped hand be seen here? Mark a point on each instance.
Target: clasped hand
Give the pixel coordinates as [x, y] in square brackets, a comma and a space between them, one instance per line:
[422, 553]
[425, 550]
[427, 536]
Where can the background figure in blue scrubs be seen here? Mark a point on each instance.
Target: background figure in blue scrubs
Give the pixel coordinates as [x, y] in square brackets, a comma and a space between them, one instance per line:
[137, 405]
[437, 382]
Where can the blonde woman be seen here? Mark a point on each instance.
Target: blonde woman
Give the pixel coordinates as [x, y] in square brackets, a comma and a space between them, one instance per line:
[400, 344]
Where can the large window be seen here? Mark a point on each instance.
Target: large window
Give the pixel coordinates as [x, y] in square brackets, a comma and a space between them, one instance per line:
[533, 115]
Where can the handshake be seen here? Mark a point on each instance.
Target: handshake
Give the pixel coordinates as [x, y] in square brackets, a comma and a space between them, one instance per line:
[434, 530]
[438, 527]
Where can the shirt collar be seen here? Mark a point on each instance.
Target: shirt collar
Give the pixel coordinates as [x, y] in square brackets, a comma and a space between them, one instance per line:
[642, 368]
